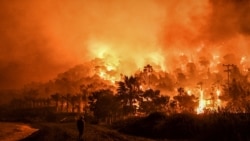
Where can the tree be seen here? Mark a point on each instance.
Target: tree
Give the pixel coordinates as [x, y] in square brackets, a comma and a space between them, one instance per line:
[238, 97]
[181, 91]
[67, 98]
[186, 102]
[103, 104]
[122, 92]
[237, 92]
[148, 69]
[56, 97]
[133, 89]
[73, 102]
[62, 100]
[128, 93]
[30, 96]
[172, 106]
[152, 101]
[86, 90]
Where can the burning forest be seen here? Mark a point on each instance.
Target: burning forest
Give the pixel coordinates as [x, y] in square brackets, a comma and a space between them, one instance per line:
[116, 60]
[189, 88]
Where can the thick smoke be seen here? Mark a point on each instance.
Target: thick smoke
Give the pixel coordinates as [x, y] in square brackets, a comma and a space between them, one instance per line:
[228, 25]
[228, 19]
[39, 39]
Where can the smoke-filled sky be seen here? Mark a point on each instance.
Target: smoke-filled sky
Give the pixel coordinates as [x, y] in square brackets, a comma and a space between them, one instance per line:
[39, 39]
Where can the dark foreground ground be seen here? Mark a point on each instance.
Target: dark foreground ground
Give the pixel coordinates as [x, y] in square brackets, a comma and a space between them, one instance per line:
[221, 126]
[155, 127]
[68, 132]
[206, 127]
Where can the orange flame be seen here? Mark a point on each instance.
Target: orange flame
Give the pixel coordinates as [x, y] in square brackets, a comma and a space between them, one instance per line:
[202, 103]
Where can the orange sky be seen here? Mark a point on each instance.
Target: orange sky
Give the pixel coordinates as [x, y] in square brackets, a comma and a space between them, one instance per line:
[39, 39]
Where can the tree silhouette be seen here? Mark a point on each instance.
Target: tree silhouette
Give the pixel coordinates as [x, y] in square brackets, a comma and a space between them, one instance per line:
[152, 101]
[73, 102]
[67, 98]
[103, 104]
[147, 70]
[128, 92]
[56, 97]
[238, 94]
[187, 103]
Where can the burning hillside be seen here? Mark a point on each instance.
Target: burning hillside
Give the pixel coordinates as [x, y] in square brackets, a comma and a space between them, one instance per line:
[54, 36]
[204, 81]
[185, 43]
[204, 78]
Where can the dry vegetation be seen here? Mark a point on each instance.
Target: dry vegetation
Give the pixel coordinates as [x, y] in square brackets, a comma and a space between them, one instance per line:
[206, 127]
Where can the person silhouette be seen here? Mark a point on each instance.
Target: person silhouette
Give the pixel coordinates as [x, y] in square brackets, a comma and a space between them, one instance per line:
[80, 126]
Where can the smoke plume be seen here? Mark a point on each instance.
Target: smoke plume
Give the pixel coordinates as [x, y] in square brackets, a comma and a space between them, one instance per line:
[40, 39]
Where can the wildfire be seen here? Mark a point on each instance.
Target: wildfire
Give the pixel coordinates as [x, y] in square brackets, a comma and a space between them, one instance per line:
[243, 63]
[214, 63]
[189, 92]
[218, 98]
[210, 104]
[202, 103]
[104, 74]
[188, 68]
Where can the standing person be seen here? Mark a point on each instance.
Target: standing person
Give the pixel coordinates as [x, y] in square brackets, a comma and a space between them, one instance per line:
[80, 126]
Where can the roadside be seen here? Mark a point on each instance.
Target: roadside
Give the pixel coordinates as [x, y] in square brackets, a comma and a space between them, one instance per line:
[68, 132]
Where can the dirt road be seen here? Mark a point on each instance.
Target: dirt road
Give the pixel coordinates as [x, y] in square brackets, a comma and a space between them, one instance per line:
[68, 132]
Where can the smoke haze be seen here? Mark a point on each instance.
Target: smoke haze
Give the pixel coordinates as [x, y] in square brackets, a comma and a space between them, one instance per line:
[40, 39]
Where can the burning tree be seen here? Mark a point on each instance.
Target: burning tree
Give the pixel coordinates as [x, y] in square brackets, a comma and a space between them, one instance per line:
[56, 97]
[128, 92]
[147, 70]
[104, 104]
[152, 101]
[186, 102]
[237, 93]
[96, 75]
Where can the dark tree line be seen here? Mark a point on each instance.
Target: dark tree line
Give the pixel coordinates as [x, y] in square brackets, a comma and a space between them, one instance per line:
[132, 96]
[130, 100]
